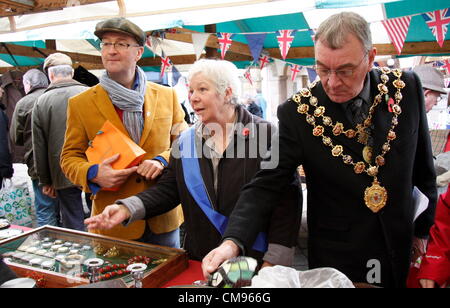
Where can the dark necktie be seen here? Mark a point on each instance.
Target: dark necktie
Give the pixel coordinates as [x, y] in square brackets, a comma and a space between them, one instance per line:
[356, 111]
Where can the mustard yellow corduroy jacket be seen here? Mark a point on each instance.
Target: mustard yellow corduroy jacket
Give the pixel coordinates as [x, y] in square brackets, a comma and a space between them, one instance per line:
[86, 114]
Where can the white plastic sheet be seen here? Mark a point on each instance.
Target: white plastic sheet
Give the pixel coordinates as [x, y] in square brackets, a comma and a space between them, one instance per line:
[286, 277]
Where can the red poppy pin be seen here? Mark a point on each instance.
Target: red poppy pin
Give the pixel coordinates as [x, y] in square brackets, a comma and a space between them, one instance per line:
[246, 132]
[390, 104]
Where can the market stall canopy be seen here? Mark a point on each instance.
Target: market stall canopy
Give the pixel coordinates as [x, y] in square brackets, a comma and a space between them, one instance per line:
[29, 35]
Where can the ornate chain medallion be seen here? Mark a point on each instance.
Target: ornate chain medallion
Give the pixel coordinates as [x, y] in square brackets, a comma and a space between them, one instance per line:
[375, 197]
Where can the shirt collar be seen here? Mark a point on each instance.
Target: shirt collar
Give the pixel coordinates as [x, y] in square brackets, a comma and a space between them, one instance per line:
[136, 81]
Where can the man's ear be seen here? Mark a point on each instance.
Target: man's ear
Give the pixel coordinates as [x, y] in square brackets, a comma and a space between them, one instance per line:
[140, 53]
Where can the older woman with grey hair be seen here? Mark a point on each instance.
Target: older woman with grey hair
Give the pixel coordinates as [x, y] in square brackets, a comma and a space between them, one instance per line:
[209, 165]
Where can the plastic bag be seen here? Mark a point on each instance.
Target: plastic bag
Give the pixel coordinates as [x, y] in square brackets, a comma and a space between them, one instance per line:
[286, 277]
[16, 203]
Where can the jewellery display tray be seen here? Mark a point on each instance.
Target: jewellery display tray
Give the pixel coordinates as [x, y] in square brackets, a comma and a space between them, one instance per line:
[168, 262]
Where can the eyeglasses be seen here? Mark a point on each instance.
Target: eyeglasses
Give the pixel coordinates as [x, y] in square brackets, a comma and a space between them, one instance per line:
[117, 46]
[344, 73]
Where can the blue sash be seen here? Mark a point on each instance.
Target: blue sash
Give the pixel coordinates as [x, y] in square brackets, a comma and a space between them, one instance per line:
[197, 189]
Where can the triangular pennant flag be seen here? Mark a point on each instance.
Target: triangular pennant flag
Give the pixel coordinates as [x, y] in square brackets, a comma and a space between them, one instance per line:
[438, 22]
[312, 74]
[165, 65]
[397, 29]
[256, 44]
[176, 75]
[199, 41]
[447, 66]
[295, 69]
[285, 39]
[263, 61]
[279, 66]
[225, 41]
[248, 76]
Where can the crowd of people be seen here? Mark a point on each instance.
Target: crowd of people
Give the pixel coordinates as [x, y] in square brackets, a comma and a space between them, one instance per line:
[359, 132]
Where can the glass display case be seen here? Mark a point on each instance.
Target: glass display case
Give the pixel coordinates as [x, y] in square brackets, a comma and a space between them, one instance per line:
[57, 258]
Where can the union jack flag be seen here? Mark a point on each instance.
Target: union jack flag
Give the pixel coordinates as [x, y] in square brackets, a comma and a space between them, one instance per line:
[285, 39]
[165, 65]
[225, 41]
[446, 65]
[438, 21]
[263, 61]
[295, 69]
[248, 76]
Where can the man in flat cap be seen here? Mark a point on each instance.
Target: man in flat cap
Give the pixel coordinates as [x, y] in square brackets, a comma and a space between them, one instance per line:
[48, 128]
[146, 112]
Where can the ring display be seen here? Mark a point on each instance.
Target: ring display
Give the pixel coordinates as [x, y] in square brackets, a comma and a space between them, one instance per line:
[82, 258]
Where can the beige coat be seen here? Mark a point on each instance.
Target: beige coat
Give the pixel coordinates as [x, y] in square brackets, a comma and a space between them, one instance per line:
[164, 119]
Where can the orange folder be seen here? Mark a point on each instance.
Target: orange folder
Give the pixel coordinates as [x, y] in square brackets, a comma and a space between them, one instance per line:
[111, 141]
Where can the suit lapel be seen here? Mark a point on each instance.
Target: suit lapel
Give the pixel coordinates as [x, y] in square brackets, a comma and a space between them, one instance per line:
[150, 105]
[103, 103]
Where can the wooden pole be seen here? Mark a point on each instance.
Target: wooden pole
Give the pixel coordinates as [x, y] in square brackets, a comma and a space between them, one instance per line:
[211, 53]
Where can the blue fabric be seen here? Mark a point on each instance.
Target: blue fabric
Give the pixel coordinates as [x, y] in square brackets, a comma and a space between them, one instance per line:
[92, 174]
[161, 159]
[71, 206]
[169, 239]
[197, 189]
[45, 207]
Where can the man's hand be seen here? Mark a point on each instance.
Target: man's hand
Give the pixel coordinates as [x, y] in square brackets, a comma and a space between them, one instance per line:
[49, 191]
[427, 283]
[150, 169]
[107, 177]
[215, 258]
[112, 216]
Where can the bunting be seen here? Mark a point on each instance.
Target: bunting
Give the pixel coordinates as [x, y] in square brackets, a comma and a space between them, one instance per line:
[438, 22]
[285, 39]
[248, 76]
[199, 41]
[446, 65]
[263, 61]
[256, 44]
[397, 29]
[295, 69]
[225, 41]
[165, 65]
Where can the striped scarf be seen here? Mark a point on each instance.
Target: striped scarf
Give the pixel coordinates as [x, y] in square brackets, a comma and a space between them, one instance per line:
[130, 101]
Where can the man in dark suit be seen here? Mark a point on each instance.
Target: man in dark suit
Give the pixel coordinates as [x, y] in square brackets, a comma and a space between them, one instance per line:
[361, 135]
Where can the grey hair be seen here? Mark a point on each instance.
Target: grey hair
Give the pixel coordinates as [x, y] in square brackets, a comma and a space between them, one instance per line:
[223, 74]
[36, 79]
[335, 29]
[61, 70]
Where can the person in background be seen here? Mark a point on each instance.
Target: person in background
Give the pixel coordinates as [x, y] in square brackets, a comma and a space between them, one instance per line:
[224, 131]
[261, 102]
[48, 129]
[35, 82]
[361, 135]
[6, 168]
[435, 266]
[148, 113]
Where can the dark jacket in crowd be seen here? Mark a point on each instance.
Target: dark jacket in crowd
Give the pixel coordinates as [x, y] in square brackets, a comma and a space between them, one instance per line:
[49, 127]
[20, 130]
[233, 173]
[11, 83]
[6, 168]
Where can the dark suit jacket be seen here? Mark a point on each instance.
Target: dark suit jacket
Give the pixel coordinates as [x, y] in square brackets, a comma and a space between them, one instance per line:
[343, 232]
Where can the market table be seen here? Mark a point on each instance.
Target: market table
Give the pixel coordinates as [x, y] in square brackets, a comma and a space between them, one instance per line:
[187, 277]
